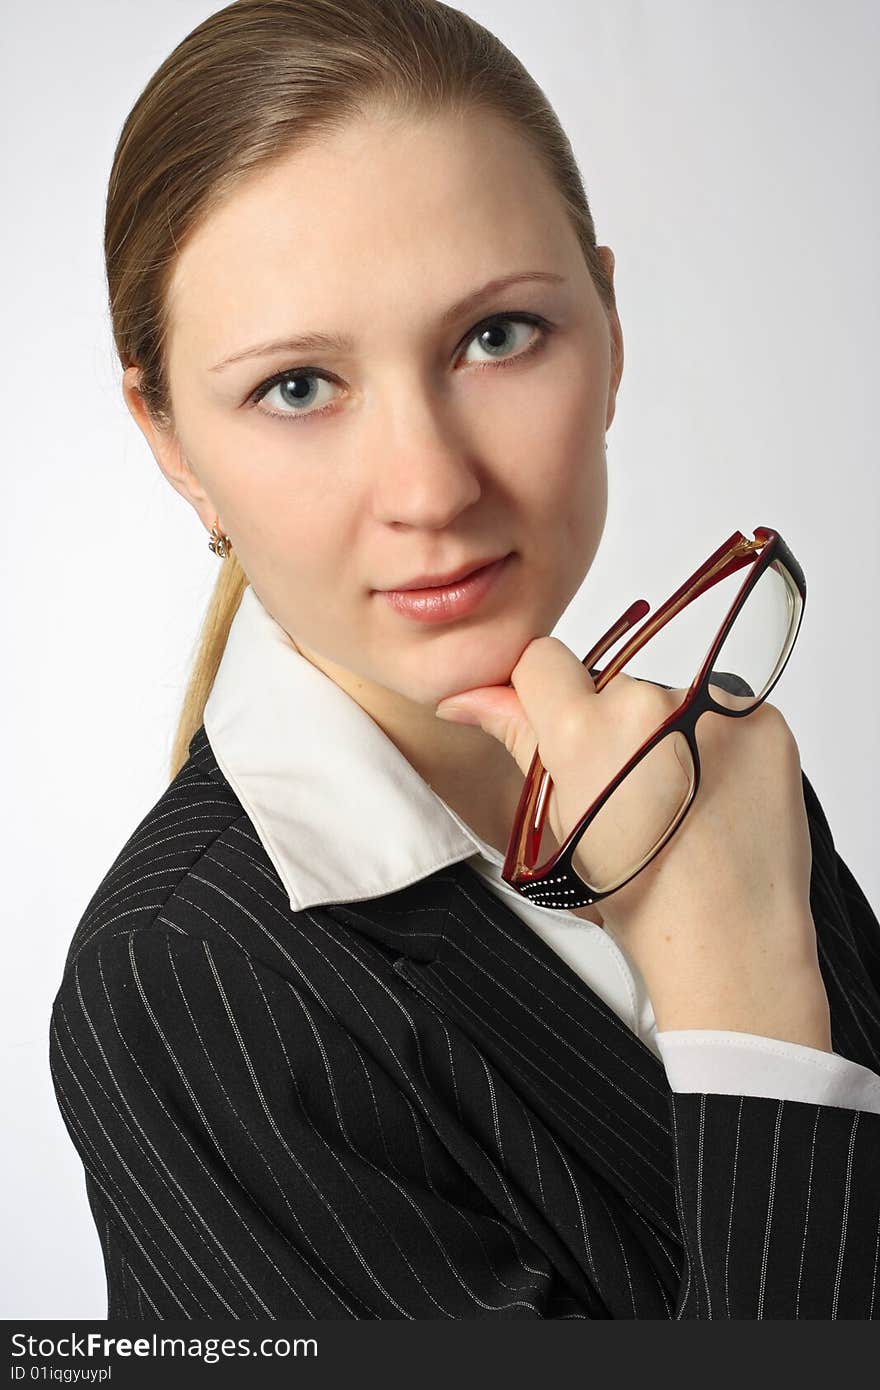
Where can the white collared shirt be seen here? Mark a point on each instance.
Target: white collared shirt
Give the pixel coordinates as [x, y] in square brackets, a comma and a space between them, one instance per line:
[344, 816]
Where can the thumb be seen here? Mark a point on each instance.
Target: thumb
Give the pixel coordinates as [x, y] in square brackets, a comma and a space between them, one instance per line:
[497, 710]
[547, 681]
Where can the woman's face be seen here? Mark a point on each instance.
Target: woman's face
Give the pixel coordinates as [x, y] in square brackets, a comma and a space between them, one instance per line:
[418, 446]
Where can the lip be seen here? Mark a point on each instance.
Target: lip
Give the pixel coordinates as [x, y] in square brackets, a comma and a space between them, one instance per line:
[442, 581]
[439, 603]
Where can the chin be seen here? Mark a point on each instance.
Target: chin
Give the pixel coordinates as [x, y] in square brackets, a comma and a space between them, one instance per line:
[456, 678]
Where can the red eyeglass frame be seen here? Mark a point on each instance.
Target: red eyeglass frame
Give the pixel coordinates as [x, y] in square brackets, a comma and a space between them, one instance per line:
[555, 883]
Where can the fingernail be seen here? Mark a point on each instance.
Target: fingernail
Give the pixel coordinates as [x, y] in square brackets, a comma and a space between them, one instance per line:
[456, 714]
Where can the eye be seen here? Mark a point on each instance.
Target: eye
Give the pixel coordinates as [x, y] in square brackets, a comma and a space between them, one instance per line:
[293, 384]
[294, 388]
[495, 328]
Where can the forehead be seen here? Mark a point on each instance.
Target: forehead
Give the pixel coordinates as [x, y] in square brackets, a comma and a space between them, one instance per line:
[373, 219]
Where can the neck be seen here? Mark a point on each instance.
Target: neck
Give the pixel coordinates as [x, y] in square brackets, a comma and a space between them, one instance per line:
[467, 768]
[472, 772]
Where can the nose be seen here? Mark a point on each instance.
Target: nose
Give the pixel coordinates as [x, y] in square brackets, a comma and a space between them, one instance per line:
[423, 473]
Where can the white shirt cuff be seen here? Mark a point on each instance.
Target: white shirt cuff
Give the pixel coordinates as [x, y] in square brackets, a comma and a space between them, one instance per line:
[748, 1064]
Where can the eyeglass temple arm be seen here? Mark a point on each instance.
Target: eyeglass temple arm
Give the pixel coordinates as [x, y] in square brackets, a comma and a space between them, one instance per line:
[731, 556]
[736, 552]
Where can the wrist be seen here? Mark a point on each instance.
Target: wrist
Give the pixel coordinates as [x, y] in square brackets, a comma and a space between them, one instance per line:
[795, 1010]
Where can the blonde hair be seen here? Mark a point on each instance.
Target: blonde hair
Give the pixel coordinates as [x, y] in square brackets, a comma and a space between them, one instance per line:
[249, 86]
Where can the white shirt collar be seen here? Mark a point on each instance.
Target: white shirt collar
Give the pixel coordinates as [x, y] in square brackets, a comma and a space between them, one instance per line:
[340, 811]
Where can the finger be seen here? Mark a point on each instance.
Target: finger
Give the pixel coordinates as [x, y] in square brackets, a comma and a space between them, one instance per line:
[548, 678]
[497, 710]
[548, 690]
[553, 686]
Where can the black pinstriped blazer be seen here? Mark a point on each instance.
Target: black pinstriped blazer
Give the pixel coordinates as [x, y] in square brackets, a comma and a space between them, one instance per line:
[411, 1107]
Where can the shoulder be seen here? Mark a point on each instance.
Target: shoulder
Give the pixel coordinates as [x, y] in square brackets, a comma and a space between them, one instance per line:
[191, 898]
[175, 928]
[196, 819]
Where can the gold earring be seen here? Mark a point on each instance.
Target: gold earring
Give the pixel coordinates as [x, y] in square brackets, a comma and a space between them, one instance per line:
[220, 544]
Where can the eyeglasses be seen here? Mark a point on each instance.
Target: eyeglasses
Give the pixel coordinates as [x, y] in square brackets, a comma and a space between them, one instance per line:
[638, 811]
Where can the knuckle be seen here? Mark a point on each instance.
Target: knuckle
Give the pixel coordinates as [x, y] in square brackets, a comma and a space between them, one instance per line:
[570, 723]
[774, 719]
[649, 704]
[536, 652]
[776, 730]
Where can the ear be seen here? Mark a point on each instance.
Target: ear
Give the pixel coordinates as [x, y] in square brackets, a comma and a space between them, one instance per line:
[607, 257]
[167, 451]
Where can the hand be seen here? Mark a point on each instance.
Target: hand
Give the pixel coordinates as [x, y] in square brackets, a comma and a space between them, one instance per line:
[719, 922]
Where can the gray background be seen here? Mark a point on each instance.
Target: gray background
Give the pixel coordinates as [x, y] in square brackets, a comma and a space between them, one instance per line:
[730, 154]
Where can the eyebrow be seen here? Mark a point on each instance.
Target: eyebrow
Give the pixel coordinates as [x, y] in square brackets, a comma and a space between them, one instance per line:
[336, 342]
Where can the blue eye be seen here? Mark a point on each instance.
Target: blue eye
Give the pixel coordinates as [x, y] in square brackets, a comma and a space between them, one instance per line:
[292, 387]
[293, 383]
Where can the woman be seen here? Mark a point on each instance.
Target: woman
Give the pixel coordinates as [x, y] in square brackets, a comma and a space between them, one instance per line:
[317, 1058]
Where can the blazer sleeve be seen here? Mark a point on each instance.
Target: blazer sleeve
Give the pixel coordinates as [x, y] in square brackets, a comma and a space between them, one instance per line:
[245, 1161]
[779, 1200]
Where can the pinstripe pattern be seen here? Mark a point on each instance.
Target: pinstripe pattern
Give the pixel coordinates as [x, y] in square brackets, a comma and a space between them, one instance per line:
[411, 1107]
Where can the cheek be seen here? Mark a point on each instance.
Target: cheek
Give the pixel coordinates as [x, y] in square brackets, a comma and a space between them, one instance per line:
[287, 545]
[586, 518]
[558, 444]
[569, 483]
[565, 503]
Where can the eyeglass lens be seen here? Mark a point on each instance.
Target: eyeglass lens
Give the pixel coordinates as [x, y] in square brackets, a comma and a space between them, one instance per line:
[641, 814]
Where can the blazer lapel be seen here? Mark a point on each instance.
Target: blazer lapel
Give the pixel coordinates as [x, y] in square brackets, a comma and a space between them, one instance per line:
[575, 1063]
